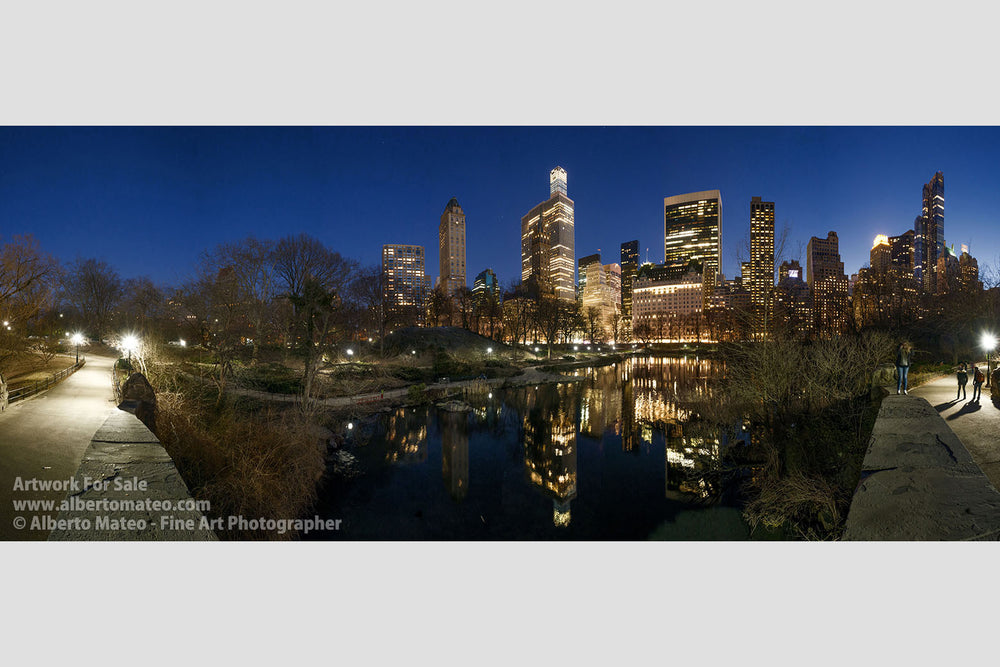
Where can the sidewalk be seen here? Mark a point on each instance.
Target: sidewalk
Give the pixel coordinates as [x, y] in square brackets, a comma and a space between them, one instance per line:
[977, 425]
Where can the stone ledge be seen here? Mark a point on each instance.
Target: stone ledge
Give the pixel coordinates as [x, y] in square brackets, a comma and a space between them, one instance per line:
[123, 452]
[919, 482]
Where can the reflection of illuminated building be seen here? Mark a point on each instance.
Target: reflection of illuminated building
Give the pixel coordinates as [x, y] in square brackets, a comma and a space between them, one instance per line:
[685, 457]
[550, 452]
[455, 453]
[407, 432]
[600, 402]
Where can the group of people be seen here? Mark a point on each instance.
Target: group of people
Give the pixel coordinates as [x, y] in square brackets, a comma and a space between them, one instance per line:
[978, 378]
[903, 366]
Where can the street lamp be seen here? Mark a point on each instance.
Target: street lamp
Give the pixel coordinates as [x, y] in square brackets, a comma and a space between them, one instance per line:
[129, 343]
[989, 342]
[76, 340]
[489, 350]
[350, 352]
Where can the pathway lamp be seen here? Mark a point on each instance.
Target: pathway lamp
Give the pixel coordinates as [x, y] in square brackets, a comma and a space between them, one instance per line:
[350, 352]
[129, 343]
[489, 350]
[76, 340]
[989, 342]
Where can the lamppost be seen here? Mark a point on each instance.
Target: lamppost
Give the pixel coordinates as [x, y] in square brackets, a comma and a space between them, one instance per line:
[76, 340]
[989, 342]
[129, 343]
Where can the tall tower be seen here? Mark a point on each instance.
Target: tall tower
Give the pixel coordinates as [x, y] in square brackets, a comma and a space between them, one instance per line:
[548, 240]
[761, 262]
[928, 233]
[630, 265]
[451, 239]
[692, 230]
[825, 275]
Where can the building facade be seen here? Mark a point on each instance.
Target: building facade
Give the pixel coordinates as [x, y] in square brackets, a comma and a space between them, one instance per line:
[405, 285]
[928, 233]
[548, 240]
[630, 265]
[692, 230]
[826, 279]
[668, 309]
[451, 242]
[761, 263]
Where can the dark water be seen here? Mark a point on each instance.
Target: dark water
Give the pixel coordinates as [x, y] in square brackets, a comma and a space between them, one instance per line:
[608, 457]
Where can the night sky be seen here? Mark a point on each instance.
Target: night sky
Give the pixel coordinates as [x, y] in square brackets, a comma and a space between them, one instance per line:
[149, 200]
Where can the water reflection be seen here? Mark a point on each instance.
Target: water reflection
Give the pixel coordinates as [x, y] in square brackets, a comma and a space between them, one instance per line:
[406, 432]
[455, 453]
[616, 454]
[550, 447]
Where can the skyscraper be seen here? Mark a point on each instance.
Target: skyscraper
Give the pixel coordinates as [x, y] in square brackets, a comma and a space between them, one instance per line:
[630, 265]
[451, 239]
[405, 284]
[692, 230]
[881, 254]
[825, 275]
[928, 233]
[761, 263]
[548, 240]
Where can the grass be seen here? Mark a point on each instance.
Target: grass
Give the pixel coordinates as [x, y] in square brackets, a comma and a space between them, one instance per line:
[246, 461]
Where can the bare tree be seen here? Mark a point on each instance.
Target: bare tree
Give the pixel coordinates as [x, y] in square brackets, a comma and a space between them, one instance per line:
[254, 270]
[26, 279]
[96, 290]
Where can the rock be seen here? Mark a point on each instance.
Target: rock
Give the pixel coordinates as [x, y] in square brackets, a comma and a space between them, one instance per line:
[454, 406]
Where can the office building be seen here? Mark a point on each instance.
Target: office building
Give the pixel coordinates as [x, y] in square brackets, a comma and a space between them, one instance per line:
[692, 230]
[826, 279]
[548, 241]
[405, 286]
[630, 265]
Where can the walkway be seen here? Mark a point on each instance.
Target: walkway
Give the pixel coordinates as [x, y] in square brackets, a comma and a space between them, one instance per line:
[44, 437]
[977, 425]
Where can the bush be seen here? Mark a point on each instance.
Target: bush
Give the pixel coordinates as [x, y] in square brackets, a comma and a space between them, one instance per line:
[245, 463]
[417, 394]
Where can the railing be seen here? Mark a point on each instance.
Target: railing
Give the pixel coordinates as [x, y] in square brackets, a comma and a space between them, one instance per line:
[41, 385]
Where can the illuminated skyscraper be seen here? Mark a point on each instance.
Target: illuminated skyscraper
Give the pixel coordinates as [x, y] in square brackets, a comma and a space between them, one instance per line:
[825, 275]
[405, 285]
[630, 265]
[761, 263]
[881, 255]
[548, 240]
[692, 230]
[451, 238]
[928, 233]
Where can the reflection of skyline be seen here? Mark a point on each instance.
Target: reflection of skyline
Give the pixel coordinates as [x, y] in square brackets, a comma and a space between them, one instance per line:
[686, 456]
[550, 456]
[639, 392]
[407, 432]
[455, 453]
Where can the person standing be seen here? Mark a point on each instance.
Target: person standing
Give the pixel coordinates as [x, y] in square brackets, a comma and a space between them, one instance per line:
[963, 379]
[977, 383]
[902, 366]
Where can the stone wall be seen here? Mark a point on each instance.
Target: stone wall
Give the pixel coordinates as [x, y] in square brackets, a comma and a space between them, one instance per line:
[918, 482]
[128, 488]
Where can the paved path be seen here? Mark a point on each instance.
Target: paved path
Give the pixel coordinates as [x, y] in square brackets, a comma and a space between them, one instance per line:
[977, 424]
[44, 437]
[528, 376]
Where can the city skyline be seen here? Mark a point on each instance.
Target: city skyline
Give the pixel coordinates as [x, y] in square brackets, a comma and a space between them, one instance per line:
[86, 192]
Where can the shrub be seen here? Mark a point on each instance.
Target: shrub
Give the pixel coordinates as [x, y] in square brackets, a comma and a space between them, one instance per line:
[245, 463]
[417, 394]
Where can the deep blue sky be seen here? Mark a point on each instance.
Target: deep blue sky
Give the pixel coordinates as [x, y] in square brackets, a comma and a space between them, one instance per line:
[149, 200]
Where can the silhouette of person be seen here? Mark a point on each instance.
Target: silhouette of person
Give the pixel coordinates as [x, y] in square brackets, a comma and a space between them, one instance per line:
[963, 379]
[977, 383]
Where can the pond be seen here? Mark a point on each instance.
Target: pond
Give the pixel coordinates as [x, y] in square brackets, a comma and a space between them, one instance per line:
[607, 455]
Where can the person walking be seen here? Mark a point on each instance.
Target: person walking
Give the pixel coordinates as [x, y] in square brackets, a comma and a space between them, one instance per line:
[977, 383]
[963, 379]
[902, 366]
